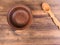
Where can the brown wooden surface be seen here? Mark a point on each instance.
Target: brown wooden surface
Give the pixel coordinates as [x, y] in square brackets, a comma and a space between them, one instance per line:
[41, 32]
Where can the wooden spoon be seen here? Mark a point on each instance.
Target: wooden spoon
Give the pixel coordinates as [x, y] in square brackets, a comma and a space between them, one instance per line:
[47, 9]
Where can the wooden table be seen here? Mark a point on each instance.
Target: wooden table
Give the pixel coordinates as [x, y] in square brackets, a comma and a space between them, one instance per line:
[41, 32]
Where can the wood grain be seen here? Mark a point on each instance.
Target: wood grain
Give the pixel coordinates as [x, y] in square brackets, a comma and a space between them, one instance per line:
[41, 32]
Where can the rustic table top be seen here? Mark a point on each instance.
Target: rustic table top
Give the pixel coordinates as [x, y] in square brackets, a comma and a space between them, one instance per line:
[42, 31]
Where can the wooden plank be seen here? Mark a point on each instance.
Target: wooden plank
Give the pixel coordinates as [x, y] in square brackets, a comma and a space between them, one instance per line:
[41, 32]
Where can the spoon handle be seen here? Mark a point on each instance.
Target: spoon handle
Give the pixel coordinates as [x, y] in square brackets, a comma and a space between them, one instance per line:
[55, 20]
